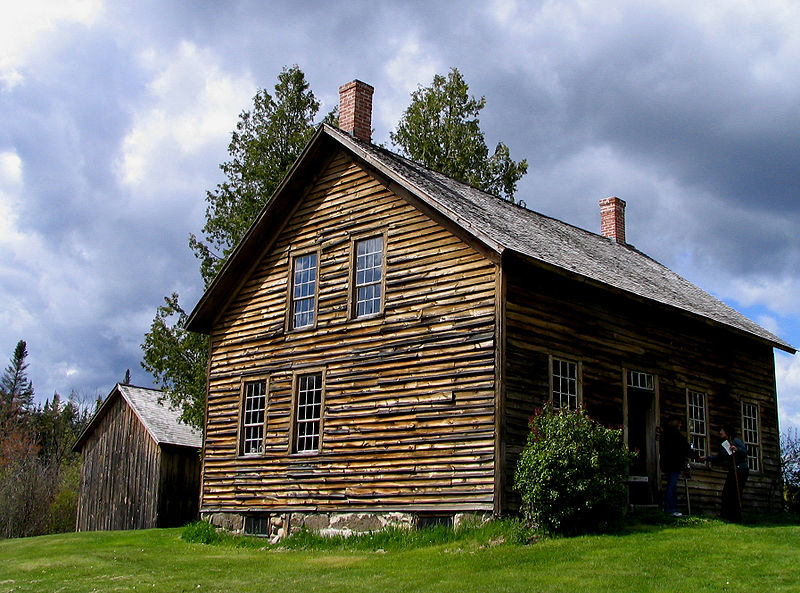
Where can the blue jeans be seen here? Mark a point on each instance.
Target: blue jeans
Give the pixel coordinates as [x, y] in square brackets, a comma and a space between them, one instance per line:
[671, 496]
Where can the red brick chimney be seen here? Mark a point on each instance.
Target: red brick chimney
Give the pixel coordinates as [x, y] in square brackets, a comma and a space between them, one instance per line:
[355, 109]
[612, 219]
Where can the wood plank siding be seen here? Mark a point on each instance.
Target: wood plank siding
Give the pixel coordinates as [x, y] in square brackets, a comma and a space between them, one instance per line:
[119, 474]
[408, 417]
[608, 333]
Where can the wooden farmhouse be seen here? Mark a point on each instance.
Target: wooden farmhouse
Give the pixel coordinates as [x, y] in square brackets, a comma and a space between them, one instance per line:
[140, 466]
[382, 334]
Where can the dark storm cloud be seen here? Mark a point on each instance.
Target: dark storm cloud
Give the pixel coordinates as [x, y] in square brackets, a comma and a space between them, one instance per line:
[686, 113]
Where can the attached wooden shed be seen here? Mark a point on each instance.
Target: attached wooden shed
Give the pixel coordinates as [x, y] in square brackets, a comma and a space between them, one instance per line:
[140, 465]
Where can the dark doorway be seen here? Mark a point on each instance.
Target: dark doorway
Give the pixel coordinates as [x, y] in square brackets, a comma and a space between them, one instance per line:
[642, 438]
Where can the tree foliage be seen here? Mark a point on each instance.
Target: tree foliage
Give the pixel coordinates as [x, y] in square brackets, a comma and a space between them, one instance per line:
[267, 140]
[441, 130]
[790, 468]
[571, 473]
[177, 358]
[16, 390]
[38, 483]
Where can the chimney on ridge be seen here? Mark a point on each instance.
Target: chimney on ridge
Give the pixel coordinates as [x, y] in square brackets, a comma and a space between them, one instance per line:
[355, 109]
[612, 219]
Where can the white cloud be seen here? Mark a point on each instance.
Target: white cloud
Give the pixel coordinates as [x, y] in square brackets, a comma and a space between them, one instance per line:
[787, 377]
[23, 24]
[193, 104]
[411, 65]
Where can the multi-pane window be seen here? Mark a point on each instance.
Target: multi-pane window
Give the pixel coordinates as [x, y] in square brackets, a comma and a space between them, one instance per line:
[255, 401]
[639, 380]
[751, 435]
[308, 413]
[698, 421]
[565, 384]
[369, 275]
[304, 283]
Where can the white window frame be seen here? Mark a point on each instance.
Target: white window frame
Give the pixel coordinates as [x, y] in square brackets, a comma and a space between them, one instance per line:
[697, 426]
[292, 313]
[564, 386]
[253, 415]
[370, 285]
[641, 380]
[751, 433]
[306, 420]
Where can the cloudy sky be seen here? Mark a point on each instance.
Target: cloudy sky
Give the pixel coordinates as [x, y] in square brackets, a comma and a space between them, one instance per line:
[114, 117]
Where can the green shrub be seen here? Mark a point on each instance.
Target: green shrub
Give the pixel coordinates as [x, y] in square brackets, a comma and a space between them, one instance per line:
[201, 532]
[571, 474]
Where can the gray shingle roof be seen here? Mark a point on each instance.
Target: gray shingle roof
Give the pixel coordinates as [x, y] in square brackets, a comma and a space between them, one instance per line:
[504, 226]
[159, 420]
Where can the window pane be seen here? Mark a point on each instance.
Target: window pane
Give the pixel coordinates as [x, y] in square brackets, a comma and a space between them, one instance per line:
[751, 436]
[697, 422]
[565, 384]
[368, 274]
[255, 400]
[304, 290]
[308, 413]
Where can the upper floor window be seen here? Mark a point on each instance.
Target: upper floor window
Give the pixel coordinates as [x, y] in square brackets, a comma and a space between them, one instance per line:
[368, 276]
[252, 429]
[308, 413]
[304, 290]
[751, 435]
[697, 411]
[565, 384]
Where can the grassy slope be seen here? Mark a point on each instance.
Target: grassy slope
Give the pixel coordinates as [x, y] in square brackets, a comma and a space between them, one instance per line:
[706, 557]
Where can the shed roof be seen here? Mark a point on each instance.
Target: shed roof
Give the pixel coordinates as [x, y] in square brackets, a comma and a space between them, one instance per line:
[502, 227]
[161, 422]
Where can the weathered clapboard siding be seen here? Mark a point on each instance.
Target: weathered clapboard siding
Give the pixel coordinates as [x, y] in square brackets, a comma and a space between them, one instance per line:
[607, 332]
[119, 475]
[408, 419]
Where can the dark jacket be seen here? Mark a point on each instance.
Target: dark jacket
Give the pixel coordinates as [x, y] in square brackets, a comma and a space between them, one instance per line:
[675, 450]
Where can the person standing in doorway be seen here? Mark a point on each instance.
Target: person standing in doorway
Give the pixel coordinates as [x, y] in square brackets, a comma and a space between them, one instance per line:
[733, 454]
[675, 449]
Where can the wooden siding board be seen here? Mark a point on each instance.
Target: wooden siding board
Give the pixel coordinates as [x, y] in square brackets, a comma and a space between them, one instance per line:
[409, 395]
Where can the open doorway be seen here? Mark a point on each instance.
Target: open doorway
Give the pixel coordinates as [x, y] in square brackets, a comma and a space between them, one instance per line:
[640, 426]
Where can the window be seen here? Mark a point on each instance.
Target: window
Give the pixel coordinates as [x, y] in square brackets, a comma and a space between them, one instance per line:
[304, 287]
[256, 524]
[255, 401]
[698, 421]
[308, 413]
[369, 276]
[751, 435]
[639, 380]
[565, 384]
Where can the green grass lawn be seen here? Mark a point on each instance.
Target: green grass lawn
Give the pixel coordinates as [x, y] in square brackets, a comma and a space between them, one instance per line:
[688, 556]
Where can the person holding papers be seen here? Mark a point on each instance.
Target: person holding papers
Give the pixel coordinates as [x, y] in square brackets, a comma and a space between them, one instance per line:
[732, 453]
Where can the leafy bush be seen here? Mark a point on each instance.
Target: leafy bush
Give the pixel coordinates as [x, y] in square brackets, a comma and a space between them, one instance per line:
[64, 506]
[571, 474]
[201, 532]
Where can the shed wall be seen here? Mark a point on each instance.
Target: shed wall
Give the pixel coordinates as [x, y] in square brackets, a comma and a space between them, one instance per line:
[119, 474]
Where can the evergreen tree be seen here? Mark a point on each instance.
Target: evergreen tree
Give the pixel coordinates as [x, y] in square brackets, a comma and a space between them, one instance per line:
[266, 142]
[441, 130]
[16, 390]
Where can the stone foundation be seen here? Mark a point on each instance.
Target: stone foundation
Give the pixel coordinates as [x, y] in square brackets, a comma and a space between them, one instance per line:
[279, 525]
